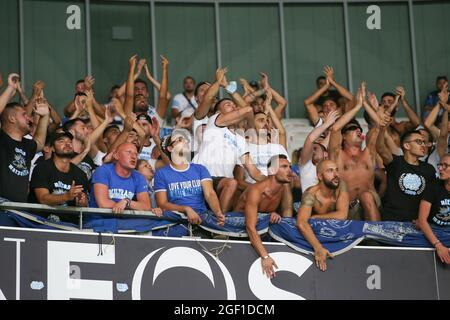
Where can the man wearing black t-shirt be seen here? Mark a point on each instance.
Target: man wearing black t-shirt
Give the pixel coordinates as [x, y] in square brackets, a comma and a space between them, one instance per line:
[435, 208]
[407, 177]
[17, 152]
[57, 181]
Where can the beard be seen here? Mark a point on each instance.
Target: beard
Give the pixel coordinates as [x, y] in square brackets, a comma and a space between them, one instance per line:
[67, 155]
[141, 107]
[330, 184]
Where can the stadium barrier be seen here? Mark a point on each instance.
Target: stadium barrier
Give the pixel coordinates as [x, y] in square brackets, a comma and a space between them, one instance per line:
[50, 264]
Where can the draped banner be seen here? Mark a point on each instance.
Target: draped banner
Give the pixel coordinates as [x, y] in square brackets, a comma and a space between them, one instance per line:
[52, 264]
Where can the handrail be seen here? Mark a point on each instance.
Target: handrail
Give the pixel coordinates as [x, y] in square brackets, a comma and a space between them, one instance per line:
[80, 211]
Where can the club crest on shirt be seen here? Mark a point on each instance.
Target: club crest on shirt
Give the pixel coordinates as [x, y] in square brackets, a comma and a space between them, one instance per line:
[19, 164]
[443, 217]
[411, 183]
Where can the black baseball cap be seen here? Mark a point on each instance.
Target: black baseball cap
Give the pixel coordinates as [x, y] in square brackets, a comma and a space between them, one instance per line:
[53, 137]
[352, 125]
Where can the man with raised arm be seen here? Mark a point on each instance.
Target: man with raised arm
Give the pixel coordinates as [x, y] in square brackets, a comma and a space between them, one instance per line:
[222, 148]
[16, 152]
[328, 199]
[313, 152]
[357, 165]
[407, 176]
[141, 102]
[329, 103]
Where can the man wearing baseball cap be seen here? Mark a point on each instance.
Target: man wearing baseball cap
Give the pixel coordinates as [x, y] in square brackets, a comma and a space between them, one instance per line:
[57, 181]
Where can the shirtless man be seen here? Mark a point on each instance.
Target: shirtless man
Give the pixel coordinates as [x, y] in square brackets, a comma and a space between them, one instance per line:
[326, 200]
[357, 166]
[266, 196]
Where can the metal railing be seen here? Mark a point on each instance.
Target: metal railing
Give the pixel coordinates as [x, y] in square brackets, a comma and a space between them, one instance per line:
[80, 211]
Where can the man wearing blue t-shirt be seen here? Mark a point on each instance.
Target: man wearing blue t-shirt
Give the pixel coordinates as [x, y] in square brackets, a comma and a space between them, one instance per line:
[118, 186]
[182, 186]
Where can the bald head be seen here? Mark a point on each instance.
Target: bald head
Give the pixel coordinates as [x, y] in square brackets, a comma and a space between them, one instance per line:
[126, 145]
[328, 174]
[126, 155]
[324, 165]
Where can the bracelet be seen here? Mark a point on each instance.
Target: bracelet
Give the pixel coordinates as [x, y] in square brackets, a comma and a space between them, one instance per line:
[128, 203]
[437, 242]
[265, 257]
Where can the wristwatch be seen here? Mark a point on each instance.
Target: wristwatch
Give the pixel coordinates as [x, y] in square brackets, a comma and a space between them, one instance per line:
[128, 203]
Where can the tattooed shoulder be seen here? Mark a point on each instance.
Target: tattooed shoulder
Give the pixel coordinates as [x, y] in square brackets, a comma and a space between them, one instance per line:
[342, 186]
[308, 199]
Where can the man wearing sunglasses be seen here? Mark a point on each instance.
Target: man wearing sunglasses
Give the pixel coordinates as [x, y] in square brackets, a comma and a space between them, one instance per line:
[183, 186]
[407, 176]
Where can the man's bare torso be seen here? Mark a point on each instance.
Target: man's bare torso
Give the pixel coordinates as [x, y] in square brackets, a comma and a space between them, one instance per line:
[357, 172]
[319, 203]
[270, 197]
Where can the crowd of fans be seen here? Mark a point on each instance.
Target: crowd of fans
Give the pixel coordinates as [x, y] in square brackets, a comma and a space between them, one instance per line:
[230, 154]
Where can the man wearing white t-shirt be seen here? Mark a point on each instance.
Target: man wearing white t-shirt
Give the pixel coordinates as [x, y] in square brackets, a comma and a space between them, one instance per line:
[222, 149]
[186, 99]
[260, 147]
[313, 152]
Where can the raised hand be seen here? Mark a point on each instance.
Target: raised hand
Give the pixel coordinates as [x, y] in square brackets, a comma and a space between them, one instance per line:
[140, 65]
[264, 81]
[268, 101]
[384, 117]
[154, 128]
[220, 74]
[164, 62]
[129, 122]
[41, 107]
[246, 86]
[80, 103]
[401, 92]
[329, 73]
[109, 114]
[89, 95]
[132, 61]
[38, 88]
[13, 79]
[88, 83]
[147, 72]
[360, 95]
[372, 100]
[331, 118]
